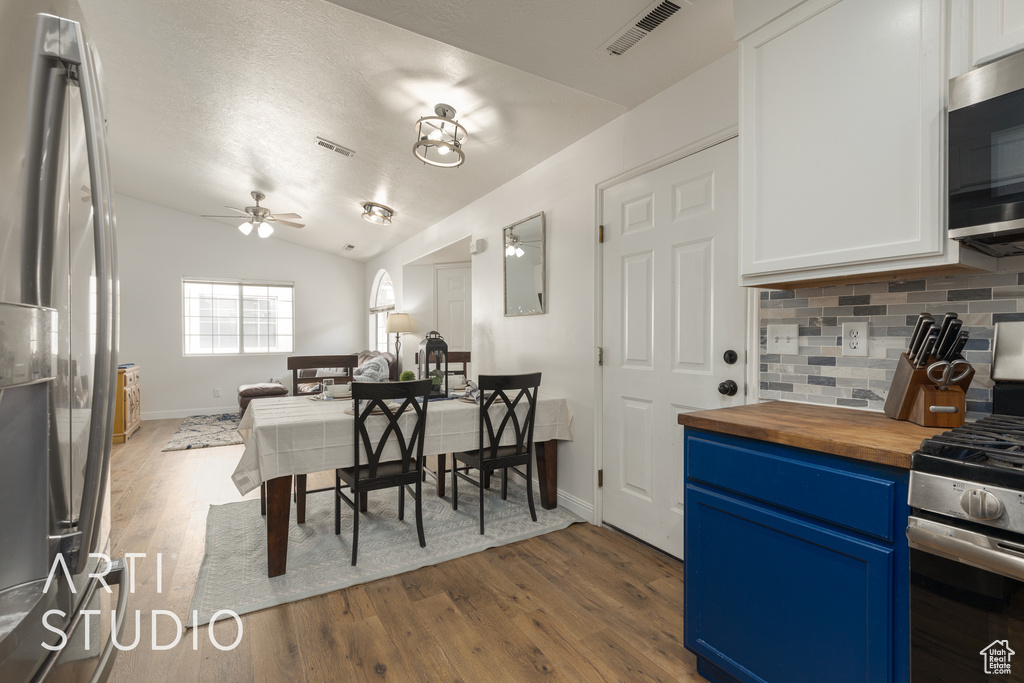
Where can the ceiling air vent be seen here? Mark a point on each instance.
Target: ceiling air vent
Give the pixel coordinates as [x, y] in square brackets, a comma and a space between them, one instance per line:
[642, 24]
[335, 147]
[349, 247]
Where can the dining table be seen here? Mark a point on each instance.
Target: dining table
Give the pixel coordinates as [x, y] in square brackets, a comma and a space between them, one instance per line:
[292, 436]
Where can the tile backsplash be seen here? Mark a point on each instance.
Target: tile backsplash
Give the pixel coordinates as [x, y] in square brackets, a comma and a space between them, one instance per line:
[818, 373]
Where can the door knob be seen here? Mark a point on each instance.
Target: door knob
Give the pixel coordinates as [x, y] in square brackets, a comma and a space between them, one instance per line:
[728, 388]
[731, 356]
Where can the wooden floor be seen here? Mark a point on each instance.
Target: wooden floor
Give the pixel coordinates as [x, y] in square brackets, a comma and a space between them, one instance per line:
[581, 604]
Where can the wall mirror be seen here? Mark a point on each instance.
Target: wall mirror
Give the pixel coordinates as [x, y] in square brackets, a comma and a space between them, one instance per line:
[524, 267]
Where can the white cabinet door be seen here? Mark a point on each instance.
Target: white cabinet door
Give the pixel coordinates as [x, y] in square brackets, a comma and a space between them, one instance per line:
[841, 134]
[998, 29]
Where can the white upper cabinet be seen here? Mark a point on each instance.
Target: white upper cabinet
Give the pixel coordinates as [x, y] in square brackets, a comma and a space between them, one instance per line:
[842, 138]
[998, 29]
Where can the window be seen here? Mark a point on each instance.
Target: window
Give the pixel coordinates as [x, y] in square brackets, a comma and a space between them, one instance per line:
[382, 301]
[223, 317]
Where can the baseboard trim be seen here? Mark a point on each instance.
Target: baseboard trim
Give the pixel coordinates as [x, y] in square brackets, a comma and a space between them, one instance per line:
[577, 506]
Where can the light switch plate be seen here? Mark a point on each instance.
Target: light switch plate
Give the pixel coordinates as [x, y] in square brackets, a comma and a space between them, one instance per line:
[784, 339]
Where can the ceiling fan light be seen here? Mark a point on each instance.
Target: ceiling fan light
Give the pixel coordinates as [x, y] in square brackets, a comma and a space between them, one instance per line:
[378, 214]
[519, 252]
[245, 228]
[509, 250]
[265, 229]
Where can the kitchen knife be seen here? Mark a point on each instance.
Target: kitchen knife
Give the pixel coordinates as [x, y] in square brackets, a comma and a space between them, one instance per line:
[927, 348]
[917, 331]
[958, 345]
[926, 327]
[947, 340]
[943, 327]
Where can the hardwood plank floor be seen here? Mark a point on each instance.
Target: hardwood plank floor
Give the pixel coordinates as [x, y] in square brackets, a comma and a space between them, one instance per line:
[581, 604]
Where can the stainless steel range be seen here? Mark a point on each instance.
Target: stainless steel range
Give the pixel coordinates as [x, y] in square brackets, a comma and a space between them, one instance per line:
[967, 553]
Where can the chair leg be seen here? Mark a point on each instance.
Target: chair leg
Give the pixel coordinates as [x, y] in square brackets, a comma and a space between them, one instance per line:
[529, 488]
[419, 512]
[263, 499]
[481, 498]
[455, 484]
[504, 483]
[337, 504]
[401, 502]
[355, 533]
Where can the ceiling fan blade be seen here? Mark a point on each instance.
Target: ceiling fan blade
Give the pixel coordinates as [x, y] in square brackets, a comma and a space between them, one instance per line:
[285, 215]
[241, 211]
[206, 215]
[290, 224]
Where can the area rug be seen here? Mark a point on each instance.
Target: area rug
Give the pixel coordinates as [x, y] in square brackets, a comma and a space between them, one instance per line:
[234, 571]
[205, 431]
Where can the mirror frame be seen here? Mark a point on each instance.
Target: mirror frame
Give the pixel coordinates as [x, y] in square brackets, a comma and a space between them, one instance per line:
[543, 266]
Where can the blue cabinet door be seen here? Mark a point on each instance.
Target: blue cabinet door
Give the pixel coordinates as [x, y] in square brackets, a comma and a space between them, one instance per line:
[772, 596]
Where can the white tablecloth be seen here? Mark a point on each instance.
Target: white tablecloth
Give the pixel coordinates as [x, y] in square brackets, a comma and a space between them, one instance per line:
[295, 435]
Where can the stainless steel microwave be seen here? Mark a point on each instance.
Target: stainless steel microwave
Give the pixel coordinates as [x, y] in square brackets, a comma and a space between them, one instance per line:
[986, 157]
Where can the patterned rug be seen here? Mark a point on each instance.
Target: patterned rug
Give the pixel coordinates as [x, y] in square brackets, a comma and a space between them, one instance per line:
[205, 431]
[234, 570]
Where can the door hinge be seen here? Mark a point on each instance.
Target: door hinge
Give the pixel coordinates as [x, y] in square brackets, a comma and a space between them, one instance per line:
[600, 234]
[600, 355]
[600, 478]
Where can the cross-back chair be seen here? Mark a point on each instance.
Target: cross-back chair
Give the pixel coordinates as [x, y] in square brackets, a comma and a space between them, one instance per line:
[381, 426]
[501, 398]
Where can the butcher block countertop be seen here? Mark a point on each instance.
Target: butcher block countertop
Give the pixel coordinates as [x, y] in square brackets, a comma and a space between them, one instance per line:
[856, 434]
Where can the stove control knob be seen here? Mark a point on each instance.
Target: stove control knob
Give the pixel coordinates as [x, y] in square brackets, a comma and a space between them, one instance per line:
[980, 504]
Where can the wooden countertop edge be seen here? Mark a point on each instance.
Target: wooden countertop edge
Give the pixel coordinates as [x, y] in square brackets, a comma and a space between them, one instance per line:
[798, 436]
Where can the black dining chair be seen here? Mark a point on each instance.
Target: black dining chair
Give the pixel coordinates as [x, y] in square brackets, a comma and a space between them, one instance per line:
[378, 422]
[501, 395]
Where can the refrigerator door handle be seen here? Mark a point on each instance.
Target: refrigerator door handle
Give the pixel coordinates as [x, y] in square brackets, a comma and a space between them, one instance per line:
[120, 571]
[47, 88]
[75, 53]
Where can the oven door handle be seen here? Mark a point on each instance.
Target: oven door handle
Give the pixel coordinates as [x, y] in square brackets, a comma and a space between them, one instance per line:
[968, 547]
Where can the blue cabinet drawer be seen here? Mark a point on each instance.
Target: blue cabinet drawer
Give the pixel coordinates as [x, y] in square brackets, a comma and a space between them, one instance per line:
[854, 495]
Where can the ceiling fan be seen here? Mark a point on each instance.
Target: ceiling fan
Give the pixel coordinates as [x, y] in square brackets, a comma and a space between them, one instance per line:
[260, 217]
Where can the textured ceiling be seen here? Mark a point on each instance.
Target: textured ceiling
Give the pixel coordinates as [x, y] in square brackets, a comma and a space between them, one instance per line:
[209, 100]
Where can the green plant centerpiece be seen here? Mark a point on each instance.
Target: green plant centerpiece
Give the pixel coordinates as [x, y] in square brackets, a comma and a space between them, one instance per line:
[407, 376]
[435, 377]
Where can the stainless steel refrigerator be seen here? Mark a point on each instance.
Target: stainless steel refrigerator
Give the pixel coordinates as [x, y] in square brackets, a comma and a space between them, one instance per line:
[58, 351]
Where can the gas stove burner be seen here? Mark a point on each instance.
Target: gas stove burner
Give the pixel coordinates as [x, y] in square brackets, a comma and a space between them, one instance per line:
[991, 449]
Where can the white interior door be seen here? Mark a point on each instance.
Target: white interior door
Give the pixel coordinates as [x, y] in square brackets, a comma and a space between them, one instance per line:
[453, 301]
[672, 308]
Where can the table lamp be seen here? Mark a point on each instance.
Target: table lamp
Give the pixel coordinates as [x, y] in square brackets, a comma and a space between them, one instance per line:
[398, 323]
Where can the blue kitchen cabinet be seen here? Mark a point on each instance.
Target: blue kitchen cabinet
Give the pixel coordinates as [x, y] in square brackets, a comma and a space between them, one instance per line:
[796, 564]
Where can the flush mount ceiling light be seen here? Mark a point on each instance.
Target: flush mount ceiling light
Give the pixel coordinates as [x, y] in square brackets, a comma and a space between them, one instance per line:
[377, 213]
[439, 138]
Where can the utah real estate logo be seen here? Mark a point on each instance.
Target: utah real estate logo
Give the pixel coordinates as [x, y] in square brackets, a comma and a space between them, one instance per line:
[997, 657]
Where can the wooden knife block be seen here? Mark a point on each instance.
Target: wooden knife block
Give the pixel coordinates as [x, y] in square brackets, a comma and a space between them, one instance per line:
[911, 388]
[931, 396]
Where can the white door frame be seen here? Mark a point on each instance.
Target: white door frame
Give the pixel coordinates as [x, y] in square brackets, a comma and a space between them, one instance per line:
[753, 333]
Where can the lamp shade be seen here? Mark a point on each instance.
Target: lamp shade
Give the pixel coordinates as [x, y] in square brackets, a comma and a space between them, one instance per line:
[399, 323]
[265, 229]
[246, 227]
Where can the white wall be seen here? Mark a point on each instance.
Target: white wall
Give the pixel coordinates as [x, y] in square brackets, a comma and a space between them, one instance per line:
[561, 343]
[157, 247]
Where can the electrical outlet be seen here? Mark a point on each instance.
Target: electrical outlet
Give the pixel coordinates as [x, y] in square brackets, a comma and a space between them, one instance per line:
[216, 393]
[855, 339]
[784, 339]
